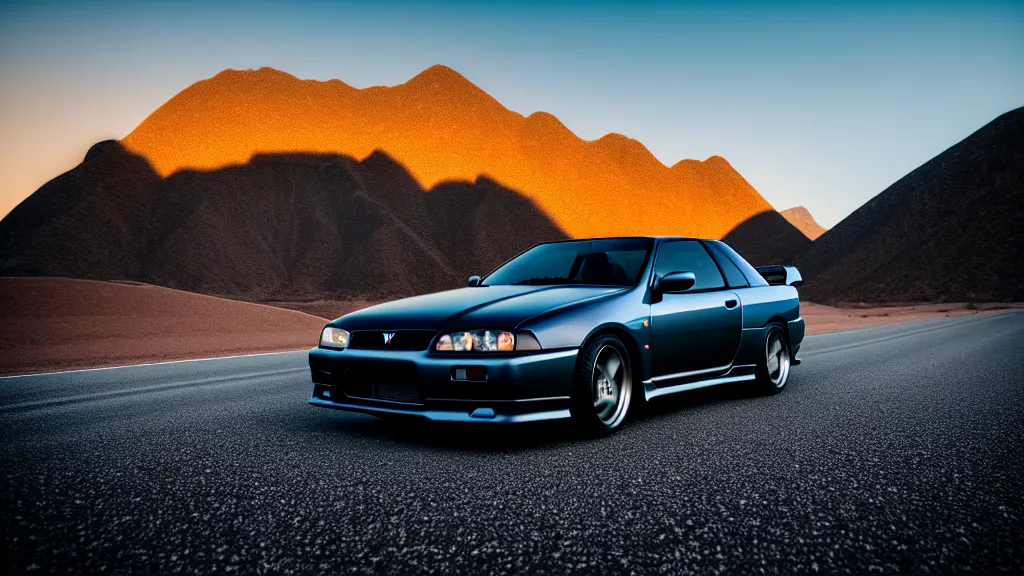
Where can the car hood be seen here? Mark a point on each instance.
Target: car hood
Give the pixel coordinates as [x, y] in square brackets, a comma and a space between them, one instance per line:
[473, 307]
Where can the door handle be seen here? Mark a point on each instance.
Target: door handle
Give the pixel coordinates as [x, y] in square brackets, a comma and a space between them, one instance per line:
[731, 303]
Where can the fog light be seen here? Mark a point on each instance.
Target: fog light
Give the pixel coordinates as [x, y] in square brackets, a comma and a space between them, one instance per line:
[470, 373]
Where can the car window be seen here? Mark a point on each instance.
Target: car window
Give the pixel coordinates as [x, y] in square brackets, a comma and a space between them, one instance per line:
[606, 262]
[733, 275]
[689, 256]
[753, 278]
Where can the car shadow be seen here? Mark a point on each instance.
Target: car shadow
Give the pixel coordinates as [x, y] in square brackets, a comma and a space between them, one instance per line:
[674, 404]
[458, 436]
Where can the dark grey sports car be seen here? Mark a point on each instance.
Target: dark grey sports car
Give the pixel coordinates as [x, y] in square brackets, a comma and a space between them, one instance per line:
[586, 329]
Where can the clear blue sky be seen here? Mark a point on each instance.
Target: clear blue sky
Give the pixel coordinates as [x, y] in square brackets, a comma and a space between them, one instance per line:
[822, 106]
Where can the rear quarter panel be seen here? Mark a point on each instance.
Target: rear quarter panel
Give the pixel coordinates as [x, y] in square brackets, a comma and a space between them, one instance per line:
[762, 304]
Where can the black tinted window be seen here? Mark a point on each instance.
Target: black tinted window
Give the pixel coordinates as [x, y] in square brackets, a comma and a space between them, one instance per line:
[749, 272]
[689, 256]
[611, 262]
[733, 276]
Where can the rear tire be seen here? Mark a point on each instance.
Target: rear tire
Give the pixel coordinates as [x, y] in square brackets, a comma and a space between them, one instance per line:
[602, 386]
[775, 362]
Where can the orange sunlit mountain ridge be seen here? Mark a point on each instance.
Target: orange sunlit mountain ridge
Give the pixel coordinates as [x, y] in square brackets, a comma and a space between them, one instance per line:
[442, 127]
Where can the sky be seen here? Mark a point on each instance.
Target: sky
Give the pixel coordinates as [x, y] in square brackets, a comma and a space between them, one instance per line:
[820, 105]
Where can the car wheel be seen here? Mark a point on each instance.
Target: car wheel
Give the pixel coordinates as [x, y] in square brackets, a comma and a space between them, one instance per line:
[602, 386]
[776, 360]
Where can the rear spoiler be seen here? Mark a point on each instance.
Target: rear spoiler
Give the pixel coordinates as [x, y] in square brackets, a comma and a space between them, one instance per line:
[781, 275]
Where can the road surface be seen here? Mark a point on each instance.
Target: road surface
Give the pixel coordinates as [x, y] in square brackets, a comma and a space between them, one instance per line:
[898, 448]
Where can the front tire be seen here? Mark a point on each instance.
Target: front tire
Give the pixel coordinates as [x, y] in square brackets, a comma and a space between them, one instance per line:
[776, 360]
[602, 386]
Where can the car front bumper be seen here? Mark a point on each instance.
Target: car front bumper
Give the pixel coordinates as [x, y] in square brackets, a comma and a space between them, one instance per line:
[517, 388]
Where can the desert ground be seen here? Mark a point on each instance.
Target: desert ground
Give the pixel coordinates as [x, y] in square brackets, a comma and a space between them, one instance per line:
[822, 319]
[54, 324]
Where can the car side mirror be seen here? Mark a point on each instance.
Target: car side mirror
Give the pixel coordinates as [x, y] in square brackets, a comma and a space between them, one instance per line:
[674, 282]
[474, 281]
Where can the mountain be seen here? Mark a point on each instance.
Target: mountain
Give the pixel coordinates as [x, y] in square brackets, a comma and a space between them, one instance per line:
[295, 226]
[768, 238]
[442, 127]
[951, 230]
[802, 219]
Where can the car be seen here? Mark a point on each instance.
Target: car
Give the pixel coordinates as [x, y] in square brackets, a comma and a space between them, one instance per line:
[582, 329]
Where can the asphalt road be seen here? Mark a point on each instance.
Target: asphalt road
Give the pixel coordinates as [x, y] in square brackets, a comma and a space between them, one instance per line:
[895, 449]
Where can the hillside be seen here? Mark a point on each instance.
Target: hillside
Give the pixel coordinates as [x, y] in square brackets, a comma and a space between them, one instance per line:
[768, 238]
[279, 227]
[801, 218]
[952, 230]
[442, 127]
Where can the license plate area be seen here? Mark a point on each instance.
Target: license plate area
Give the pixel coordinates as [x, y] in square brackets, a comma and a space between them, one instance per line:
[383, 381]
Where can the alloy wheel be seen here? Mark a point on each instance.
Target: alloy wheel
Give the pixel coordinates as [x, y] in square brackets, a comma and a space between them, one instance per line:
[777, 356]
[611, 386]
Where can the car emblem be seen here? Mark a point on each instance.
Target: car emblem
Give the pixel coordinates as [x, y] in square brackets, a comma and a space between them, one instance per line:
[388, 336]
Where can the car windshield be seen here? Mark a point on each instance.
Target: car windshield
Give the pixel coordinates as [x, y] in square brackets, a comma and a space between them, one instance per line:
[606, 262]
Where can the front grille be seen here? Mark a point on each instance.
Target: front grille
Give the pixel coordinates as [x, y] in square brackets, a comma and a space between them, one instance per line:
[407, 393]
[390, 381]
[402, 340]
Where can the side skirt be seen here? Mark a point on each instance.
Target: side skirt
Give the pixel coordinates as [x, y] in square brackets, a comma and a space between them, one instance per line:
[742, 373]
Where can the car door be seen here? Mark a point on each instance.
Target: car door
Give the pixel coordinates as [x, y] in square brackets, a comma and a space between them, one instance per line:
[697, 330]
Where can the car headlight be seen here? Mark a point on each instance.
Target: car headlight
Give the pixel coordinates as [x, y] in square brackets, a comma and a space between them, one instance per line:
[485, 341]
[334, 338]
